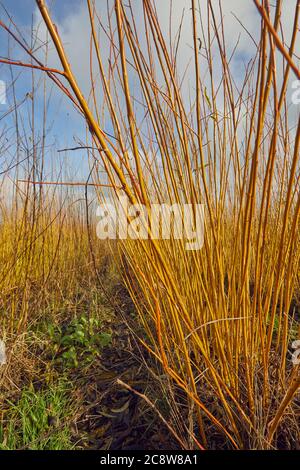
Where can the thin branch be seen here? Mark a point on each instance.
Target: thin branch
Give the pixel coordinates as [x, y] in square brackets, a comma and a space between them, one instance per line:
[277, 41]
[68, 183]
[31, 66]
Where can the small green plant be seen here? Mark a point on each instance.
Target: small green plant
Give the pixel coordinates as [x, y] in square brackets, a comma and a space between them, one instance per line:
[81, 340]
[39, 420]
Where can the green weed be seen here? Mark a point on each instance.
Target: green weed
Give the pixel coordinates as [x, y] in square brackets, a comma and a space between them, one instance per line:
[81, 341]
[39, 420]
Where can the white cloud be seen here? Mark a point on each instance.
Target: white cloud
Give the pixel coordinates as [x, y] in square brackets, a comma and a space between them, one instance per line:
[74, 30]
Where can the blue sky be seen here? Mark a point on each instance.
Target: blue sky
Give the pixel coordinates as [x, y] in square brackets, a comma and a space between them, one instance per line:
[21, 10]
[64, 125]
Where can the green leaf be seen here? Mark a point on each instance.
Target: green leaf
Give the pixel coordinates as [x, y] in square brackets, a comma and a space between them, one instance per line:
[207, 98]
[104, 339]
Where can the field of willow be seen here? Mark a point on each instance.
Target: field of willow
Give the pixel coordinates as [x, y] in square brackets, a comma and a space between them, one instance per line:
[137, 342]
